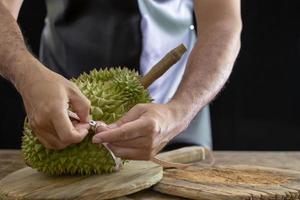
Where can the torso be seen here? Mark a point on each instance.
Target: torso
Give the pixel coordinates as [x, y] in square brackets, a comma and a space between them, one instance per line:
[84, 34]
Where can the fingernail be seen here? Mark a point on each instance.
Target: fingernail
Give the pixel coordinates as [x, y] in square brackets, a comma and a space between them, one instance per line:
[112, 126]
[101, 129]
[97, 140]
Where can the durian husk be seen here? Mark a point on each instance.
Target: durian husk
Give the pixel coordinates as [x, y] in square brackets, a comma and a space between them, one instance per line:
[112, 92]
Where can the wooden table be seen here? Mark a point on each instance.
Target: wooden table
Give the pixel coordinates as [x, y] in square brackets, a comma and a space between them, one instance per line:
[11, 160]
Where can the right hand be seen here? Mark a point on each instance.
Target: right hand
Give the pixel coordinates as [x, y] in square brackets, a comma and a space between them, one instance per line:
[47, 97]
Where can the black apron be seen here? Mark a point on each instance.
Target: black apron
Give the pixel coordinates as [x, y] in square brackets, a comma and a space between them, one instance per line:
[80, 35]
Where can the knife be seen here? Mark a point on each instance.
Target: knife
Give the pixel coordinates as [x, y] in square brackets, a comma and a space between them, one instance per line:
[94, 125]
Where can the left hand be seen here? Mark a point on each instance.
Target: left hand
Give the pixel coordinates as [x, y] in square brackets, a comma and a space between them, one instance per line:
[142, 132]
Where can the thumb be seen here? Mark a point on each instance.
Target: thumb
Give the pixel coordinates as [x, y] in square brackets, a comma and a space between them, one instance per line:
[133, 114]
[80, 105]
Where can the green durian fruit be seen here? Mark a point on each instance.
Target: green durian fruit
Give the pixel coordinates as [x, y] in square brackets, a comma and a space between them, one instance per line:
[112, 93]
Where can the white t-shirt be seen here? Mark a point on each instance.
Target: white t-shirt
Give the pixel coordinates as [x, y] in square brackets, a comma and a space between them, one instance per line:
[165, 25]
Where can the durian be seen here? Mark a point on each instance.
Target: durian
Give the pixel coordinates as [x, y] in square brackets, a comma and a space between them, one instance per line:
[112, 93]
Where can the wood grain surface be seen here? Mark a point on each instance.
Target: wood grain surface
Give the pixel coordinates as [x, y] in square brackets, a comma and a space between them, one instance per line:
[236, 182]
[27, 183]
[285, 160]
[11, 160]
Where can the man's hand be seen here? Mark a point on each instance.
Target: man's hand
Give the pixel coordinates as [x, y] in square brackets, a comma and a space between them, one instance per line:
[142, 132]
[47, 97]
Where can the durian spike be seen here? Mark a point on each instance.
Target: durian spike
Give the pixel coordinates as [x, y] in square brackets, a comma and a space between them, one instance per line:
[163, 65]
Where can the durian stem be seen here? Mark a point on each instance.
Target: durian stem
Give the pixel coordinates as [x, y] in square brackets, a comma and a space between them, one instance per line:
[163, 65]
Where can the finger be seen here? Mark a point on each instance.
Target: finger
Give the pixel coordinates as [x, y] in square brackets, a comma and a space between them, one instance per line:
[128, 153]
[81, 125]
[82, 128]
[65, 130]
[101, 126]
[44, 142]
[140, 142]
[50, 142]
[80, 104]
[74, 122]
[133, 114]
[38, 123]
[130, 130]
[49, 138]
[43, 131]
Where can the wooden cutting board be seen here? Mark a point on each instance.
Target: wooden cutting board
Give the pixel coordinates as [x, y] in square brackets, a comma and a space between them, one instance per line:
[27, 183]
[238, 182]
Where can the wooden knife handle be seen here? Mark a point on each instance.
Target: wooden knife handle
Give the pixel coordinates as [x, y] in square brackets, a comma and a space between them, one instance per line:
[184, 155]
[163, 65]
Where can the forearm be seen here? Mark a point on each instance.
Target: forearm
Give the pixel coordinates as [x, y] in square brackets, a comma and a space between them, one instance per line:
[13, 6]
[208, 68]
[15, 59]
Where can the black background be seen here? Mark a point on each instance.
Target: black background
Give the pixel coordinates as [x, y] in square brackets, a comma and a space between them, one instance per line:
[259, 106]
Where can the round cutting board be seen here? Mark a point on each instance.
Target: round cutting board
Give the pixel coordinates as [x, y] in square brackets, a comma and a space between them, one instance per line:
[234, 182]
[27, 183]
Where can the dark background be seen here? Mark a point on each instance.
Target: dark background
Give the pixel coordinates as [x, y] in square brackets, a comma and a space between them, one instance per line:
[259, 106]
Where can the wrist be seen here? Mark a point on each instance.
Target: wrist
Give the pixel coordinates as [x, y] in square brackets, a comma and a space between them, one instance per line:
[182, 111]
[179, 112]
[27, 70]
